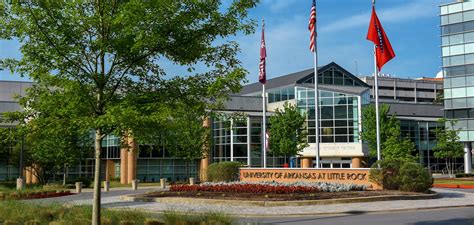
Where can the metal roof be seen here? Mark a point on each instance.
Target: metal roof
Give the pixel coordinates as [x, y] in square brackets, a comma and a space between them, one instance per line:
[294, 78]
[355, 90]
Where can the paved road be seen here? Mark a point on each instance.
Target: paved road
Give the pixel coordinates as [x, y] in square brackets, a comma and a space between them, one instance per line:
[450, 216]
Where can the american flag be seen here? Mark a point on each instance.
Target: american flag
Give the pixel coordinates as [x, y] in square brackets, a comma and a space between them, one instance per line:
[312, 25]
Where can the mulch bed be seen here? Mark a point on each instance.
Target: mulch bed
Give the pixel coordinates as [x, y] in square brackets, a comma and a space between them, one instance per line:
[277, 197]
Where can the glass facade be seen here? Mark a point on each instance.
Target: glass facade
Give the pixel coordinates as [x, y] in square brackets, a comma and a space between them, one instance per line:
[235, 139]
[339, 112]
[457, 40]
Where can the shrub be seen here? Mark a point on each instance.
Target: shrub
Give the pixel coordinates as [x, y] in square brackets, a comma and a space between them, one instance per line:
[461, 175]
[395, 174]
[153, 222]
[387, 175]
[224, 171]
[415, 178]
[86, 182]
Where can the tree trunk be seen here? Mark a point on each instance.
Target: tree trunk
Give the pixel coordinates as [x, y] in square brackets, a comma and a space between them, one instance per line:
[96, 201]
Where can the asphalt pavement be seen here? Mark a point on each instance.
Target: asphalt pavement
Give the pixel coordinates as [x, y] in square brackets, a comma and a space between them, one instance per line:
[446, 216]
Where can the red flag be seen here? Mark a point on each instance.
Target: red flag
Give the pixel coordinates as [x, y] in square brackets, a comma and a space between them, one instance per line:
[312, 26]
[262, 77]
[376, 34]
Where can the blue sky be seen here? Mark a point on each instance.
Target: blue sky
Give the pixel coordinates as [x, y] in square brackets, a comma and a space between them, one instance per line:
[412, 27]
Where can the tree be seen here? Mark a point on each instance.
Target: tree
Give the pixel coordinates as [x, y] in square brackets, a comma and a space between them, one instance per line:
[393, 144]
[448, 146]
[287, 133]
[105, 56]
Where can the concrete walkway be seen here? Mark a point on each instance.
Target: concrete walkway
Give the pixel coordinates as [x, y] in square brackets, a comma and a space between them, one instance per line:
[450, 198]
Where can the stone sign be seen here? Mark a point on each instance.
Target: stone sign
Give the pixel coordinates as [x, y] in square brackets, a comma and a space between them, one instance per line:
[345, 176]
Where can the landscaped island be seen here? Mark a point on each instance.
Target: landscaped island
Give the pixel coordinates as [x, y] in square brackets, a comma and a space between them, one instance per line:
[272, 191]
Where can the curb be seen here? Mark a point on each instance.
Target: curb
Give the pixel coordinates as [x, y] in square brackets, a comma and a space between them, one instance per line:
[184, 200]
[461, 186]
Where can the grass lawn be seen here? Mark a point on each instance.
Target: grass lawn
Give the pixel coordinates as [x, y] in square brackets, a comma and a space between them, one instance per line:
[454, 181]
[16, 212]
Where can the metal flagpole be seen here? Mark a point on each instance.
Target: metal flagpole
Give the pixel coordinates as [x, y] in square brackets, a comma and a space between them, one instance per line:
[316, 92]
[376, 93]
[264, 127]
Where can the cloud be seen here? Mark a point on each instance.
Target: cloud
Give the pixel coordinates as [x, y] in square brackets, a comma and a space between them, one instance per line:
[278, 5]
[408, 12]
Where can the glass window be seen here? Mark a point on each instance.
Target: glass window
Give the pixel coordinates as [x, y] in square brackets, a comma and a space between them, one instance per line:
[446, 61]
[468, 59]
[447, 93]
[458, 92]
[458, 49]
[469, 37]
[468, 26]
[470, 69]
[470, 102]
[447, 82]
[445, 40]
[454, 8]
[468, 15]
[469, 48]
[456, 39]
[445, 30]
[340, 112]
[468, 5]
[458, 81]
[459, 103]
[470, 91]
[456, 71]
[448, 103]
[444, 20]
[455, 18]
[327, 112]
[469, 80]
[458, 28]
[445, 51]
[457, 60]
[444, 10]
[460, 113]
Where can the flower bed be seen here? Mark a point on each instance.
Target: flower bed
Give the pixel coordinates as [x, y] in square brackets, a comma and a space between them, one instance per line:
[20, 195]
[268, 187]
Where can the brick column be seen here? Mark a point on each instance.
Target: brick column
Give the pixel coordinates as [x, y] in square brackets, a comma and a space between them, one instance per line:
[132, 160]
[356, 162]
[124, 165]
[35, 174]
[28, 175]
[204, 163]
[110, 169]
[306, 162]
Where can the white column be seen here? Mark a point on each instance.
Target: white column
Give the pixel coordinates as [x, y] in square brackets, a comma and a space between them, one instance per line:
[467, 157]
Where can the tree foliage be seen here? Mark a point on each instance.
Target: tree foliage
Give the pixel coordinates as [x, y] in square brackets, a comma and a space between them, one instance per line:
[448, 146]
[106, 58]
[287, 133]
[393, 144]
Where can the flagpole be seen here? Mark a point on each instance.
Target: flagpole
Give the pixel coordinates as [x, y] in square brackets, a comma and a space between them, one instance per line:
[376, 94]
[264, 126]
[316, 92]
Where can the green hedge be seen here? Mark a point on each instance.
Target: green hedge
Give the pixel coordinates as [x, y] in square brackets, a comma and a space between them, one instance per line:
[461, 175]
[224, 171]
[401, 175]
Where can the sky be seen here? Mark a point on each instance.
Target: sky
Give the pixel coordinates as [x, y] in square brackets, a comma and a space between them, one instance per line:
[412, 27]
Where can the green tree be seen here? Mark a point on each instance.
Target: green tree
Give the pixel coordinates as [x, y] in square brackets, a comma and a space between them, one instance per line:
[393, 144]
[106, 56]
[287, 133]
[448, 146]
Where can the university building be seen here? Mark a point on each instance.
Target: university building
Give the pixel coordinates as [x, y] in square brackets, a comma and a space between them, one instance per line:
[237, 128]
[457, 50]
